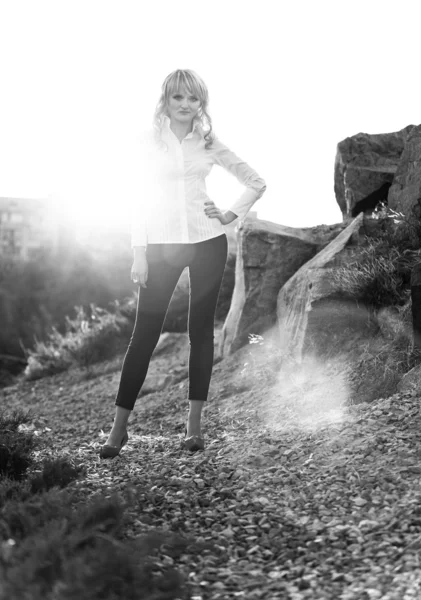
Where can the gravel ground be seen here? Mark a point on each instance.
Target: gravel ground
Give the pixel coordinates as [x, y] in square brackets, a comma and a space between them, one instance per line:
[297, 494]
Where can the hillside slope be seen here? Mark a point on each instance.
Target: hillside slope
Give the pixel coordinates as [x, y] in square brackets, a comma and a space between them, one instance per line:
[297, 495]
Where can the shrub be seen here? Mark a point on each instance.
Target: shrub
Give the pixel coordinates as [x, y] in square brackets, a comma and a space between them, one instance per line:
[14, 490]
[89, 339]
[380, 275]
[101, 514]
[57, 472]
[402, 231]
[46, 358]
[104, 569]
[12, 422]
[15, 447]
[54, 544]
[378, 366]
[57, 281]
[23, 517]
[77, 554]
[109, 570]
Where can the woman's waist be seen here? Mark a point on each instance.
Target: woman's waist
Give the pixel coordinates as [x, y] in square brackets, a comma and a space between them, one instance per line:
[189, 213]
[177, 202]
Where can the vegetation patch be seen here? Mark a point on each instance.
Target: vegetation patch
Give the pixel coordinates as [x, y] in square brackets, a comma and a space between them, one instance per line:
[379, 276]
[54, 544]
[89, 338]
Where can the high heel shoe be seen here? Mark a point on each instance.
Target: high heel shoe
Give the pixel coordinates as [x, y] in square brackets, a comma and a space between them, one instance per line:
[193, 443]
[113, 451]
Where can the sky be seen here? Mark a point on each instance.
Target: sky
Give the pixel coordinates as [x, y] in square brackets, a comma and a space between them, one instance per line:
[287, 80]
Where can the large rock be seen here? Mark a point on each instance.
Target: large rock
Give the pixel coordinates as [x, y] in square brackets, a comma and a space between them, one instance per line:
[268, 254]
[364, 163]
[314, 287]
[405, 193]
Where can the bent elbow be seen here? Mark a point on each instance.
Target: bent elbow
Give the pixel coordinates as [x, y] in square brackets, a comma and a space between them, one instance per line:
[262, 188]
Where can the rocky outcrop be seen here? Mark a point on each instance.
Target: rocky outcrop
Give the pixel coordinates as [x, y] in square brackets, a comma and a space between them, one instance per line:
[372, 201]
[304, 302]
[405, 193]
[364, 163]
[267, 256]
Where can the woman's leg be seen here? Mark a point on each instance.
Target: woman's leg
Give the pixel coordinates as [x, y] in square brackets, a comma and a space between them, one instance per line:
[206, 271]
[152, 307]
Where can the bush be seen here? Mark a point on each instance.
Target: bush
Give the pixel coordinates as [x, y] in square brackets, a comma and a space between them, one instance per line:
[23, 517]
[374, 279]
[109, 570]
[89, 339]
[54, 544]
[13, 490]
[404, 232]
[38, 293]
[12, 423]
[380, 275]
[47, 359]
[94, 567]
[77, 553]
[15, 447]
[57, 472]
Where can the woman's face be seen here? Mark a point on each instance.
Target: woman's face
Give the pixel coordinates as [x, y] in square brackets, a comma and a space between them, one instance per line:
[183, 106]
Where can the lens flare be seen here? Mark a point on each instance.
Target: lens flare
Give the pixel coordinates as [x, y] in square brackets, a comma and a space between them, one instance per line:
[308, 395]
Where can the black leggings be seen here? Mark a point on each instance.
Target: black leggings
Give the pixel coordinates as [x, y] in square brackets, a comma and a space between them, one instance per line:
[206, 262]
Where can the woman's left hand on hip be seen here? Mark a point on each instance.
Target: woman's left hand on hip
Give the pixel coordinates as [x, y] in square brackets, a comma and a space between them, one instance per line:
[213, 212]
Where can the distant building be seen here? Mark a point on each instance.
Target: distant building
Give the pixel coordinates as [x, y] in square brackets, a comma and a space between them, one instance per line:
[26, 225]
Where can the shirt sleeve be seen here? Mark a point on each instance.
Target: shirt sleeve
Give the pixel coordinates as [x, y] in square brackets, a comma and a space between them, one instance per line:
[138, 216]
[255, 185]
[139, 231]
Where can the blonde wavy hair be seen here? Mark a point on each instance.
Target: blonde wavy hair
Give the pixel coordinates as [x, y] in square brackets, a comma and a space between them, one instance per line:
[194, 85]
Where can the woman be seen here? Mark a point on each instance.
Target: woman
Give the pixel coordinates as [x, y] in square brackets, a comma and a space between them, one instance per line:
[175, 225]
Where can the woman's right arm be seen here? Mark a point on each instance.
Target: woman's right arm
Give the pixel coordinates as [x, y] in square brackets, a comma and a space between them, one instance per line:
[139, 233]
[139, 240]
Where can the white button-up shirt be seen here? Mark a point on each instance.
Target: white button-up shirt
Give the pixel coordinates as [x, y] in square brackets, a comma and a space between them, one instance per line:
[171, 209]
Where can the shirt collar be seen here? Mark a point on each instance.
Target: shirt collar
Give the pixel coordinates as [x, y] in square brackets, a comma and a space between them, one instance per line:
[196, 126]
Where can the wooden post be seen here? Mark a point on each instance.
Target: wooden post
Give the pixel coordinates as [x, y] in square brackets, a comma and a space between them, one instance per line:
[416, 304]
